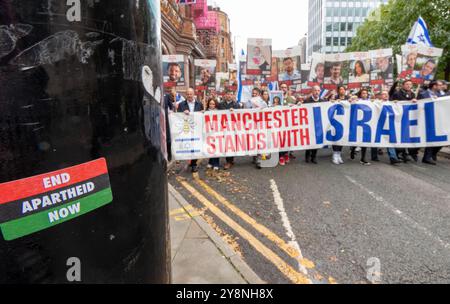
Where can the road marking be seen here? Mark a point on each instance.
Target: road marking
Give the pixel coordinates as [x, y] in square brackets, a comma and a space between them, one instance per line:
[184, 214]
[286, 223]
[400, 214]
[288, 271]
[181, 210]
[291, 251]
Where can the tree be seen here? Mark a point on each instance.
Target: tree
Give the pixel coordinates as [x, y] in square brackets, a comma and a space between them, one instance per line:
[390, 25]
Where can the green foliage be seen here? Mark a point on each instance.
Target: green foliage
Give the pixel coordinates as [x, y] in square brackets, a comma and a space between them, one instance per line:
[392, 23]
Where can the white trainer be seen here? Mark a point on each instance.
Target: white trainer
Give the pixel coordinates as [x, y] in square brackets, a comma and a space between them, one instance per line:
[335, 159]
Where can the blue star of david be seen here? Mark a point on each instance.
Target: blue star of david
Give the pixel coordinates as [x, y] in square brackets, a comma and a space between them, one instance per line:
[421, 38]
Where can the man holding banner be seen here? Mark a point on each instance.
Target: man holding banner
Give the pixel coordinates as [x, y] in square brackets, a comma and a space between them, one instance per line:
[406, 94]
[311, 155]
[190, 105]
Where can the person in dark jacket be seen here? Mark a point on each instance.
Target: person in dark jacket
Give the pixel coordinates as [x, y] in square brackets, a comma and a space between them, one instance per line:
[405, 94]
[311, 155]
[433, 91]
[188, 106]
[229, 103]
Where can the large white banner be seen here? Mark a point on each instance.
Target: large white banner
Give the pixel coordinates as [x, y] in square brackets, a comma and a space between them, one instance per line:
[311, 126]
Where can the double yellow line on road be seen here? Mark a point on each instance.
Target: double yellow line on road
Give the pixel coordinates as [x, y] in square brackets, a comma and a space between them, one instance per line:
[293, 275]
[287, 270]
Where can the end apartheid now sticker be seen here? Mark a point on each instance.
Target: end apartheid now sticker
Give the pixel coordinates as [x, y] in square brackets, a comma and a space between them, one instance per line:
[36, 203]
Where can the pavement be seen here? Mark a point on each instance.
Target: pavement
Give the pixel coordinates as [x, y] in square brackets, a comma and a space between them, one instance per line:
[306, 223]
[445, 152]
[199, 254]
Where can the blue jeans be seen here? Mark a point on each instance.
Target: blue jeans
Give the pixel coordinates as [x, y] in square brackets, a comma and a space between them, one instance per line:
[392, 153]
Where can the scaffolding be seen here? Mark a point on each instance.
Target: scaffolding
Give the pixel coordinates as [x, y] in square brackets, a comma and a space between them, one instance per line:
[204, 18]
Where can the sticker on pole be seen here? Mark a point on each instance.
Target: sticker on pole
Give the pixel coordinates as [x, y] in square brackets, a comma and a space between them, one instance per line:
[36, 203]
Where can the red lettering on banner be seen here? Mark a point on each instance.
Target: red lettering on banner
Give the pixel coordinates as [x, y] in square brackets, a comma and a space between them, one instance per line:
[277, 118]
[224, 125]
[219, 138]
[241, 143]
[304, 137]
[247, 117]
[354, 85]
[210, 142]
[229, 144]
[295, 116]
[268, 120]
[295, 131]
[304, 116]
[262, 145]
[251, 143]
[211, 123]
[283, 139]
[286, 117]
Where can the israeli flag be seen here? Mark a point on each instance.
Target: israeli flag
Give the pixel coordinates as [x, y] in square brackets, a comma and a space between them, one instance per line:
[241, 59]
[323, 93]
[419, 34]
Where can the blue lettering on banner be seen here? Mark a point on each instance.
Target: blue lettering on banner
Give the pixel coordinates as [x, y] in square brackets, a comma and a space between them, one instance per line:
[363, 123]
[337, 109]
[407, 123]
[387, 112]
[318, 125]
[430, 123]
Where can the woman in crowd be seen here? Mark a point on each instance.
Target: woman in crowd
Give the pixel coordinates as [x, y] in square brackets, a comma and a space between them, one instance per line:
[264, 101]
[214, 163]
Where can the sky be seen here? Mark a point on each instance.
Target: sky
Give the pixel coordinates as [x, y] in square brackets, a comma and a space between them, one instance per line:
[285, 21]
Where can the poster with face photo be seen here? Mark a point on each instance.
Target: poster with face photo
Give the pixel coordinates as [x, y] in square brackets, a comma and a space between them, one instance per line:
[276, 99]
[419, 62]
[259, 56]
[409, 57]
[273, 72]
[173, 70]
[248, 80]
[336, 70]
[222, 82]
[205, 74]
[317, 71]
[381, 70]
[305, 71]
[233, 76]
[426, 64]
[358, 69]
[289, 65]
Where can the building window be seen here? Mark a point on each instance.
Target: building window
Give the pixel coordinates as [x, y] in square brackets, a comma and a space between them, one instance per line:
[328, 41]
[350, 27]
[336, 26]
[329, 12]
[335, 41]
[329, 27]
[336, 11]
[343, 26]
[343, 41]
[349, 40]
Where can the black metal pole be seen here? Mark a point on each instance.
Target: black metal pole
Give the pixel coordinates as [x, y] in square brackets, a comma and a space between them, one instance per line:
[80, 92]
